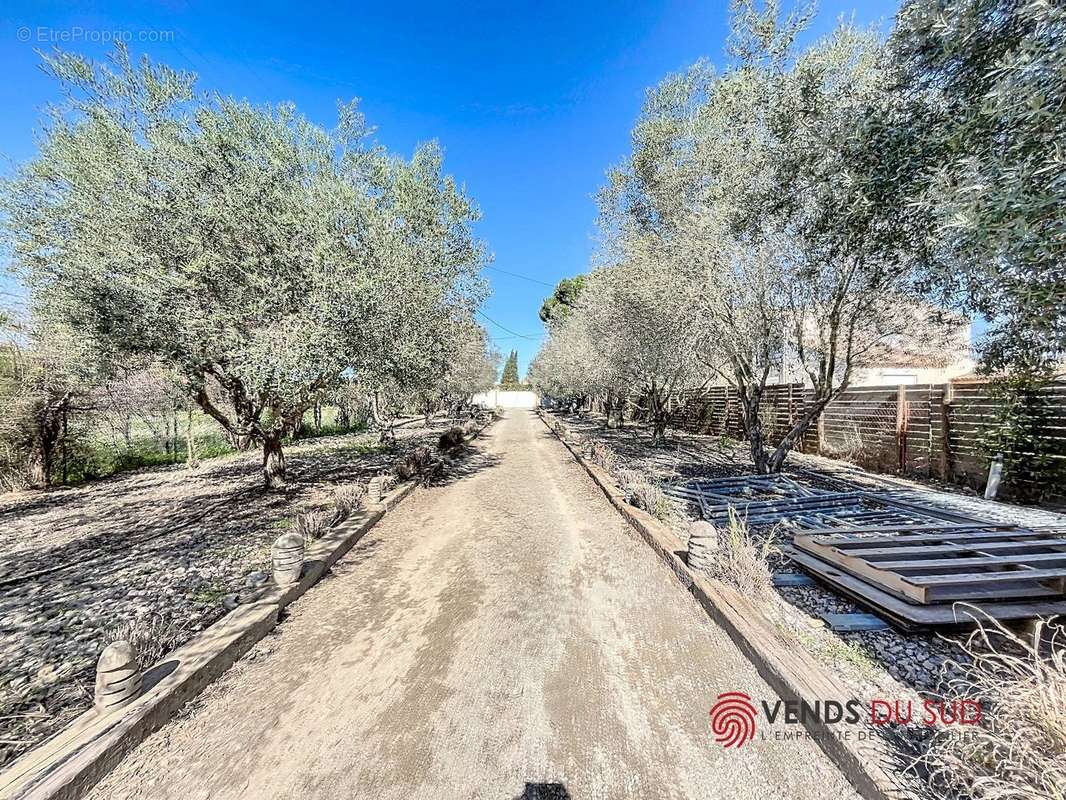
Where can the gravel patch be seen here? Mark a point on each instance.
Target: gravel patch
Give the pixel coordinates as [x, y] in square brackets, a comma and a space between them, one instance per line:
[159, 551]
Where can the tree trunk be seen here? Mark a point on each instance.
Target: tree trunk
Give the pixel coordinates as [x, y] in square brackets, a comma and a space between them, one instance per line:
[241, 442]
[749, 417]
[50, 424]
[658, 418]
[608, 407]
[65, 440]
[191, 459]
[757, 444]
[812, 415]
[38, 468]
[273, 462]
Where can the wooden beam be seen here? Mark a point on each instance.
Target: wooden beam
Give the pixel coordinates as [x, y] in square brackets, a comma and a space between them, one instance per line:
[901, 427]
[987, 577]
[946, 399]
[956, 526]
[910, 616]
[1003, 547]
[942, 566]
[844, 541]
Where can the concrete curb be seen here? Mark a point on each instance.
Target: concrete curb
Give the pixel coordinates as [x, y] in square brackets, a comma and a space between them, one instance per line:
[76, 759]
[781, 662]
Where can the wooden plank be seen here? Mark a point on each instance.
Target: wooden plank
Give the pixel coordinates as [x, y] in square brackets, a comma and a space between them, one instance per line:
[950, 526]
[939, 566]
[871, 564]
[1042, 575]
[828, 499]
[885, 553]
[928, 511]
[915, 617]
[901, 427]
[961, 537]
[853, 622]
[792, 579]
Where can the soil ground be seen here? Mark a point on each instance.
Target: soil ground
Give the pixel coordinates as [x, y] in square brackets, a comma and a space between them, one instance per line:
[153, 552]
[503, 635]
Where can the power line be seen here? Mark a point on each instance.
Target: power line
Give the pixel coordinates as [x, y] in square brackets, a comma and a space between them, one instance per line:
[523, 277]
[505, 328]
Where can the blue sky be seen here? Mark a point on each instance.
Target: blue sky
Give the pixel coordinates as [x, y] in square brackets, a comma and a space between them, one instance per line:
[531, 101]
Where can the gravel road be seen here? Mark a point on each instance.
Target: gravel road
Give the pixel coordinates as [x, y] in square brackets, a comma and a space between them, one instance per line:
[502, 635]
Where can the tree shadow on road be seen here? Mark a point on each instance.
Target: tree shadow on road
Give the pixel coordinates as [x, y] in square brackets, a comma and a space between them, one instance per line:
[468, 464]
[544, 791]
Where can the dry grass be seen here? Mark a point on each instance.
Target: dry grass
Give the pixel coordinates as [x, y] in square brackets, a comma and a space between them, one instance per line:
[348, 499]
[151, 636]
[646, 495]
[742, 560]
[311, 525]
[1019, 750]
[604, 456]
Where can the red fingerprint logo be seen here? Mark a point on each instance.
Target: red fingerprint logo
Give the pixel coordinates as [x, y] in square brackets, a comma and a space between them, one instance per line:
[733, 719]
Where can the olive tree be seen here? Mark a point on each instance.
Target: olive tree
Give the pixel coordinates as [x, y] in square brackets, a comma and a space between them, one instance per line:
[472, 369]
[570, 365]
[758, 187]
[260, 256]
[982, 84]
[45, 376]
[632, 331]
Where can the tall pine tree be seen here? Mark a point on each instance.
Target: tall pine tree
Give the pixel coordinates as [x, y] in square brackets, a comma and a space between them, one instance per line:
[509, 380]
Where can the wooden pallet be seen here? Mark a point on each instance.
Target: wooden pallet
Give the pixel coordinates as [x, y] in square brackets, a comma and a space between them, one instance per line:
[738, 491]
[914, 617]
[839, 510]
[768, 500]
[943, 563]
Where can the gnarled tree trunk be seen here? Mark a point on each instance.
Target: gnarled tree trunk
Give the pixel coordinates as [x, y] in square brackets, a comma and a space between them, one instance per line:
[273, 462]
[48, 428]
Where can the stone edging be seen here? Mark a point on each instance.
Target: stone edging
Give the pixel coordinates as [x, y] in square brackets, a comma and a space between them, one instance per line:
[69, 764]
[783, 664]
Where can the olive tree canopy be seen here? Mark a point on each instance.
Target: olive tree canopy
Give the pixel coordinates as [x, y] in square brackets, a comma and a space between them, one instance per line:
[259, 255]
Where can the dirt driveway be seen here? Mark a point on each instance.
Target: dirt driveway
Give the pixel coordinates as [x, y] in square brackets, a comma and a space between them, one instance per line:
[501, 636]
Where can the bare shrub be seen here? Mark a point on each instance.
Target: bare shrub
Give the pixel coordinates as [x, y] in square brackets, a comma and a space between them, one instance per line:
[603, 455]
[419, 464]
[741, 560]
[1018, 752]
[152, 636]
[311, 525]
[846, 444]
[348, 499]
[451, 439]
[644, 494]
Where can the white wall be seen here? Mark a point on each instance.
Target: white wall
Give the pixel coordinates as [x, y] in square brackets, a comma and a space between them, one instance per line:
[505, 399]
